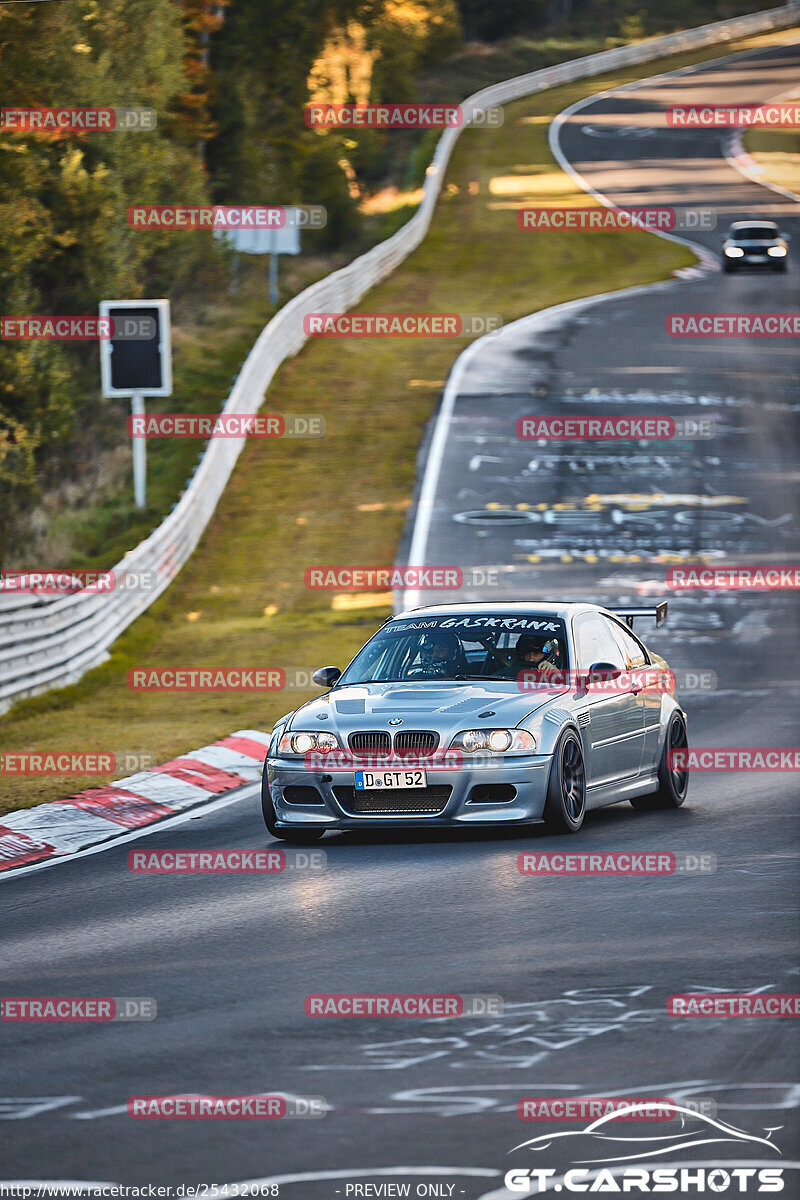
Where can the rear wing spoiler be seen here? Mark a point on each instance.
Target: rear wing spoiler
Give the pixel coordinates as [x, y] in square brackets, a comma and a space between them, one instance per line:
[659, 611]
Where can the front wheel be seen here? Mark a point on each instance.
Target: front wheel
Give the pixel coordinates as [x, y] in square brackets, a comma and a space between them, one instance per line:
[673, 784]
[565, 806]
[299, 837]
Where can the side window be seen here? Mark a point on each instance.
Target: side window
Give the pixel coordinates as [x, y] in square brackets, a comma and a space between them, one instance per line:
[633, 652]
[596, 643]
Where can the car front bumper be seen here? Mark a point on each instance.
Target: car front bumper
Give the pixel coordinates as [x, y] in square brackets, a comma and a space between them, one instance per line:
[528, 775]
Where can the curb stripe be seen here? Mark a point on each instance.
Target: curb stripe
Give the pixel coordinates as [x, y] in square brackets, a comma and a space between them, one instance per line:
[64, 827]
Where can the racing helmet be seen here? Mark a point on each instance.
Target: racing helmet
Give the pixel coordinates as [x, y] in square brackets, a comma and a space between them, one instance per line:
[440, 645]
[536, 641]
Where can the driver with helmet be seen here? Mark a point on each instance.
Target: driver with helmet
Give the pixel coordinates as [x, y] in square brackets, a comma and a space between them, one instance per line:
[532, 653]
[440, 655]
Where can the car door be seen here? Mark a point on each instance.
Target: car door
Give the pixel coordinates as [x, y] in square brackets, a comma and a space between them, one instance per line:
[652, 692]
[615, 729]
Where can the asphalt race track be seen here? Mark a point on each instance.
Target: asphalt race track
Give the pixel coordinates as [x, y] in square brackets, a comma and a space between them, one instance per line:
[584, 965]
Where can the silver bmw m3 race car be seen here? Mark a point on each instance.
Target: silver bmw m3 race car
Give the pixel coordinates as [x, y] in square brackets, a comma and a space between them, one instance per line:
[482, 714]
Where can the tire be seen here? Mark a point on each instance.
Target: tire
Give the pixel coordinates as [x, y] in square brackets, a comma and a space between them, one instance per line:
[727, 268]
[300, 837]
[565, 806]
[672, 785]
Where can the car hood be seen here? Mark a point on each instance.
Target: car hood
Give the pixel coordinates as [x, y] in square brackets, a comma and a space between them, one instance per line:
[754, 243]
[444, 707]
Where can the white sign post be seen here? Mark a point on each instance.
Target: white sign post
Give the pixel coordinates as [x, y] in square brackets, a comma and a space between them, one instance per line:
[135, 361]
[262, 240]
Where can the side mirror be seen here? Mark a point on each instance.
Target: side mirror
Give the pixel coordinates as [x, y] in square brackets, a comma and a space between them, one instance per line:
[601, 672]
[326, 676]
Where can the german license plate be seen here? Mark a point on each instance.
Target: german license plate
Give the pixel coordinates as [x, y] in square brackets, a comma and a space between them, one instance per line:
[389, 780]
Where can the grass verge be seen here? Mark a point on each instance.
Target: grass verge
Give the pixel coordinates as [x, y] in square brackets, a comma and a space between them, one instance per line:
[241, 600]
[777, 152]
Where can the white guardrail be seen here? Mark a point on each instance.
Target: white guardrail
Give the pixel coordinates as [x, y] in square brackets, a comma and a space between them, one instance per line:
[52, 640]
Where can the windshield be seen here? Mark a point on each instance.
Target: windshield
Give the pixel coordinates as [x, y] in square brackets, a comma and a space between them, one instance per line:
[478, 646]
[754, 233]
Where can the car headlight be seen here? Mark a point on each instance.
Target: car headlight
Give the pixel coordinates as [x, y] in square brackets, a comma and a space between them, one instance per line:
[304, 741]
[734, 252]
[495, 741]
[776, 251]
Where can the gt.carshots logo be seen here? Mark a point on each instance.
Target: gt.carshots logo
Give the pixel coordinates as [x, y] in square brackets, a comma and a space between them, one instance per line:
[77, 1008]
[736, 759]
[733, 324]
[733, 579]
[339, 1004]
[400, 324]
[680, 1181]
[591, 1147]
